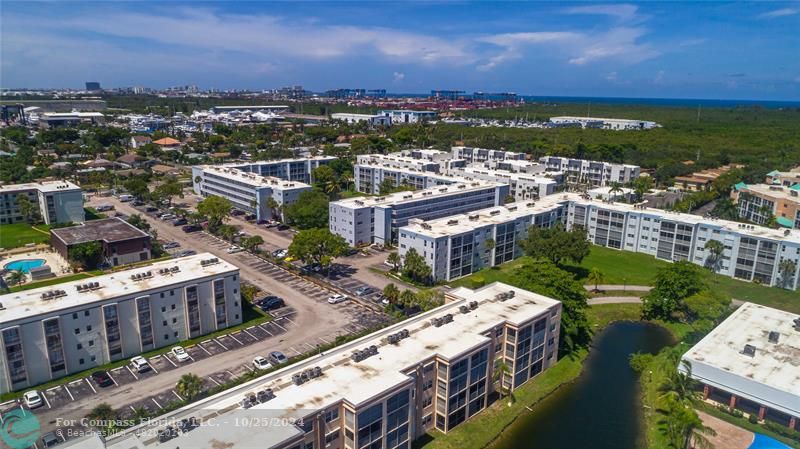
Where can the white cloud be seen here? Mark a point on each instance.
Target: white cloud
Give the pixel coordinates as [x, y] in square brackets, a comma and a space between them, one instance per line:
[659, 77]
[779, 13]
[398, 76]
[513, 44]
[619, 43]
[622, 12]
[611, 76]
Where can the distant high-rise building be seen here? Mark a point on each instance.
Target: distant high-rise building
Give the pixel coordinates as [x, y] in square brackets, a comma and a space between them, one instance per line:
[92, 85]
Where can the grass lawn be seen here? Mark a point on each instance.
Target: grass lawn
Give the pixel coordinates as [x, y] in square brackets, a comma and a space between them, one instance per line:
[479, 431]
[92, 214]
[20, 234]
[53, 281]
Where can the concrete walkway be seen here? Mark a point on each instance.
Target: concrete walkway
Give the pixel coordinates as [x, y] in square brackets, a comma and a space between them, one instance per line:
[614, 300]
[728, 436]
[618, 287]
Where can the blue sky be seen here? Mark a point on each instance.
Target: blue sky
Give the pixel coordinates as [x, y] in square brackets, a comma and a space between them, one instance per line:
[653, 49]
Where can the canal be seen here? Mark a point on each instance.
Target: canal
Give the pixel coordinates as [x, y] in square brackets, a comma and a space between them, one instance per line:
[602, 408]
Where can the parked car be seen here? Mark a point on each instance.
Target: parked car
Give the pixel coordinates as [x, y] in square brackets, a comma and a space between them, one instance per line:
[170, 245]
[125, 198]
[191, 228]
[140, 364]
[150, 209]
[283, 227]
[261, 222]
[272, 223]
[364, 290]
[33, 399]
[102, 379]
[188, 252]
[237, 212]
[167, 217]
[138, 203]
[277, 358]
[270, 303]
[179, 353]
[234, 249]
[250, 217]
[280, 253]
[50, 439]
[260, 362]
[337, 298]
[104, 207]
[179, 222]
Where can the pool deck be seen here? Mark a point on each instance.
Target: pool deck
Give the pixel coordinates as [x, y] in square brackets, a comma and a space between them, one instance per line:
[57, 264]
[728, 436]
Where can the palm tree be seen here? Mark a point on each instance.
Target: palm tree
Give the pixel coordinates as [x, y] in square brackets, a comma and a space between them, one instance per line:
[615, 188]
[395, 260]
[391, 293]
[678, 386]
[499, 375]
[227, 232]
[26, 207]
[16, 277]
[189, 386]
[787, 268]
[408, 298]
[715, 249]
[273, 206]
[596, 277]
[252, 243]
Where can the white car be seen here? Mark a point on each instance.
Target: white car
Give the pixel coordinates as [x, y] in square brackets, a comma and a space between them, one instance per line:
[336, 299]
[140, 364]
[261, 363]
[32, 399]
[180, 353]
[168, 217]
[235, 249]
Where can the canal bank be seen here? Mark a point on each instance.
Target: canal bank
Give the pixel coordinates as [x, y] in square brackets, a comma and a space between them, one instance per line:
[482, 430]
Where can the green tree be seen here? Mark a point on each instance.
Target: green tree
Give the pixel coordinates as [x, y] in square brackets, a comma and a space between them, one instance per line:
[705, 309]
[139, 222]
[616, 187]
[325, 180]
[168, 190]
[227, 232]
[252, 243]
[715, 249]
[16, 277]
[673, 284]
[105, 417]
[489, 244]
[408, 298]
[416, 268]
[273, 207]
[309, 211]
[216, 209]
[787, 269]
[641, 186]
[595, 277]
[189, 386]
[501, 373]
[27, 208]
[395, 260]
[87, 255]
[317, 246]
[386, 186]
[137, 187]
[557, 244]
[683, 427]
[391, 293]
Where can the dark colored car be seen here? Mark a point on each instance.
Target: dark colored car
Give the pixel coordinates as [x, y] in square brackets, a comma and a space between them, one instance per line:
[237, 212]
[150, 209]
[50, 439]
[250, 217]
[283, 227]
[270, 303]
[102, 379]
[191, 228]
[179, 222]
[261, 222]
[188, 252]
[364, 290]
[138, 203]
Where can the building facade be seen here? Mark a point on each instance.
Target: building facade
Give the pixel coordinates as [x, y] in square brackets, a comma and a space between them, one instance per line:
[457, 246]
[431, 372]
[481, 155]
[51, 332]
[591, 173]
[760, 203]
[522, 186]
[53, 202]
[362, 221]
[614, 124]
[404, 117]
[250, 192]
[369, 177]
[121, 242]
[297, 169]
[744, 364]
[370, 119]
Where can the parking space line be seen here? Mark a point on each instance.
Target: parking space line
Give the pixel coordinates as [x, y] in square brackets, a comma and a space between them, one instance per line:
[90, 384]
[132, 409]
[177, 395]
[44, 396]
[212, 380]
[248, 368]
[232, 375]
[156, 403]
[295, 350]
[170, 360]
[309, 346]
[248, 333]
[284, 329]
[48, 390]
[324, 341]
[153, 367]
[288, 319]
[112, 378]
[265, 330]
[236, 340]
[220, 343]
[200, 345]
[69, 392]
[134, 375]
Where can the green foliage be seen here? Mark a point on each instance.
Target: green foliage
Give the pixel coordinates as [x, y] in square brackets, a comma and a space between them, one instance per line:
[87, 255]
[395, 259]
[557, 244]
[16, 277]
[28, 209]
[415, 267]
[216, 209]
[640, 361]
[391, 293]
[252, 243]
[249, 292]
[139, 222]
[317, 246]
[325, 180]
[189, 386]
[595, 277]
[137, 187]
[705, 309]
[309, 211]
[674, 283]
[168, 190]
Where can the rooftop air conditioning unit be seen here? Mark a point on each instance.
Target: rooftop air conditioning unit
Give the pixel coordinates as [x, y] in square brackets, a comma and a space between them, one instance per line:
[463, 309]
[473, 305]
[749, 350]
[774, 336]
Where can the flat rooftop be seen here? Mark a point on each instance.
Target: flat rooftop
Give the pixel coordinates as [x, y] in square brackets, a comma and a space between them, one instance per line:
[462, 223]
[345, 380]
[42, 186]
[407, 197]
[568, 159]
[776, 365]
[391, 161]
[108, 229]
[597, 119]
[774, 191]
[786, 235]
[252, 179]
[28, 305]
[504, 174]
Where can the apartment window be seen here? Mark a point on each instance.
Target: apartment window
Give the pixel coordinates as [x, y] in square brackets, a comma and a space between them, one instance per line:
[111, 318]
[79, 347]
[74, 316]
[55, 350]
[15, 359]
[193, 310]
[145, 320]
[219, 303]
[88, 328]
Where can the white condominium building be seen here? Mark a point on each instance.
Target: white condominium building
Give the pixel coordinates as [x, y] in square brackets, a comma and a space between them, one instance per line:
[53, 202]
[523, 186]
[369, 177]
[296, 169]
[371, 119]
[456, 246]
[593, 173]
[480, 155]
[404, 116]
[396, 160]
[246, 191]
[428, 154]
[751, 253]
[384, 390]
[54, 331]
[615, 124]
[366, 220]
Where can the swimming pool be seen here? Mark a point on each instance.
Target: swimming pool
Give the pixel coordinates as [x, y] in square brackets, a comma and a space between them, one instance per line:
[24, 265]
[764, 442]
